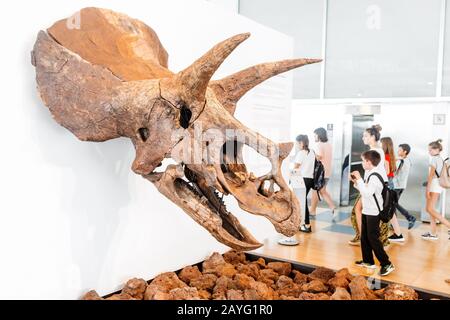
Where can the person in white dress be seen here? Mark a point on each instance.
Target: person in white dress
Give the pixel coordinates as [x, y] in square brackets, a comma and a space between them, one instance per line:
[434, 189]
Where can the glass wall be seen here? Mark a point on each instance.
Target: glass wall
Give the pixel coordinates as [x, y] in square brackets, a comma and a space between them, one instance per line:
[374, 48]
[382, 48]
[301, 19]
[446, 68]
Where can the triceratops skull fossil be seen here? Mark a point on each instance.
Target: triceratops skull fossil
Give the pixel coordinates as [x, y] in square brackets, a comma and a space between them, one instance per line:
[108, 78]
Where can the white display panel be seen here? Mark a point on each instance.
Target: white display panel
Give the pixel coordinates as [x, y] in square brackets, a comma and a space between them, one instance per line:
[301, 19]
[382, 48]
[73, 215]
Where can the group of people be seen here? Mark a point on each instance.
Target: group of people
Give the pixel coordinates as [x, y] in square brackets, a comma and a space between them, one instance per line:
[383, 168]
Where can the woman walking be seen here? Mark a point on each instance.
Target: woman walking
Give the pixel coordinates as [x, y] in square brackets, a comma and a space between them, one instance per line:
[434, 190]
[304, 161]
[324, 153]
[371, 138]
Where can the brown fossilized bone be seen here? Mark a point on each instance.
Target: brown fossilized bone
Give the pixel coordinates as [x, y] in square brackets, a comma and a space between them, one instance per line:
[107, 77]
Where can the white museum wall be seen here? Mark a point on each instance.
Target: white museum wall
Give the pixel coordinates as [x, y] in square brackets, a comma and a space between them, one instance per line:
[73, 215]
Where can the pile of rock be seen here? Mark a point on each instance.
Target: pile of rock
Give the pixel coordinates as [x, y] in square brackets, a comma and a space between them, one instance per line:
[231, 277]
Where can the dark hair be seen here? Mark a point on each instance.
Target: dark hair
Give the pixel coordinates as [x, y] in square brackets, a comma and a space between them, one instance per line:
[406, 147]
[388, 148]
[372, 156]
[436, 144]
[375, 131]
[304, 139]
[321, 134]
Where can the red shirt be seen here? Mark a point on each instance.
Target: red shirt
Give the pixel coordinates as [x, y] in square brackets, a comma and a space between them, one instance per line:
[388, 159]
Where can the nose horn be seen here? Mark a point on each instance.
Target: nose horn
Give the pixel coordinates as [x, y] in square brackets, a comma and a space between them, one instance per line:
[284, 148]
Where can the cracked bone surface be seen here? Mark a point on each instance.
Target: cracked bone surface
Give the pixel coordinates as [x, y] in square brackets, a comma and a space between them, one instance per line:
[109, 78]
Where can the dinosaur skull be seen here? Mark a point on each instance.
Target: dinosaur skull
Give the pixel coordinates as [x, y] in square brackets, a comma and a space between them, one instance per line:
[108, 78]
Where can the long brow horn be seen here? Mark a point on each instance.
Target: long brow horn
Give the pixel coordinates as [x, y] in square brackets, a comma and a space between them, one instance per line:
[194, 80]
[230, 89]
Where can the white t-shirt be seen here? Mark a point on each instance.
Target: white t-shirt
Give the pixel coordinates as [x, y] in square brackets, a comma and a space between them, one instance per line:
[368, 190]
[401, 176]
[438, 163]
[306, 161]
[380, 168]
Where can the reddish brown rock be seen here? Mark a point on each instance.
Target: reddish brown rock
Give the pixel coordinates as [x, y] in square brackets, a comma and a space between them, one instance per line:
[135, 288]
[313, 296]
[227, 270]
[315, 286]
[204, 295]
[379, 293]
[121, 296]
[189, 273]
[159, 295]
[360, 290]
[345, 273]
[217, 265]
[322, 274]
[447, 281]
[210, 264]
[233, 294]
[242, 281]
[288, 298]
[282, 268]
[400, 292]
[341, 294]
[220, 289]
[91, 295]
[164, 283]
[204, 282]
[286, 286]
[185, 293]
[234, 257]
[338, 281]
[261, 263]
[263, 291]
[250, 270]
[269, 274]
[300, 278]
[251, 294]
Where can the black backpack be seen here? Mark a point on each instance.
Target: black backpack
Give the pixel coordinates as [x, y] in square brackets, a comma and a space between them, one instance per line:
[390, 200]
[318, 175]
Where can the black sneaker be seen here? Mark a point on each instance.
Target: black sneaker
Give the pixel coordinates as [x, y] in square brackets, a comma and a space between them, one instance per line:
[396, 238]
[411, 223]
[385, 270]
[304, 228]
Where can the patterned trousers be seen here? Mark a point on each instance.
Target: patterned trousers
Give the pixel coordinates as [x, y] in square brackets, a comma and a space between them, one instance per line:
[384, 227]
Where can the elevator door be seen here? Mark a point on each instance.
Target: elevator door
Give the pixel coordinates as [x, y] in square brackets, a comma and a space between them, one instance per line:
[359, 124]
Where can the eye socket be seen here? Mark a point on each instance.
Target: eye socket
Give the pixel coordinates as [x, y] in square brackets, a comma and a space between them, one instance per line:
[185, 116]
[143, 133]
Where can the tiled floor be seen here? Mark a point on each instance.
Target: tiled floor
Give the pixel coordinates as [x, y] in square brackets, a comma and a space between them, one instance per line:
[420, 263]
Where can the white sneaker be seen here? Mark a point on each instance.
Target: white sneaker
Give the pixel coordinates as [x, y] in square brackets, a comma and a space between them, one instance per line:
[429, 236]
[334, 215]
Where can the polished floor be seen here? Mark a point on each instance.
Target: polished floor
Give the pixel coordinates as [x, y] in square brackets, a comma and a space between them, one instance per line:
[420, 263]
